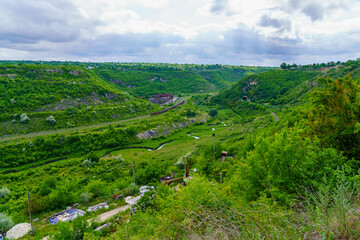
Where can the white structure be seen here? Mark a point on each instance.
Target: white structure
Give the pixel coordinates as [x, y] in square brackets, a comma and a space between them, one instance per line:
[144, 189]
[98, 206]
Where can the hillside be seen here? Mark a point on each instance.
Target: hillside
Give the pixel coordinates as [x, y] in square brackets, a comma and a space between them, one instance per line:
[275, 87]
[144, 80]
[280, 87]
[74, 96]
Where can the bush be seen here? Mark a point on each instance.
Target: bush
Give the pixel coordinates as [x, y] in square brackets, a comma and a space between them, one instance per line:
[97, 188]
[75, 230]
[4, 191]
[87, 163]
[85, 197]
[50, 119]
[5, 223]
[133, 189]
[24, 118]
[213, 112]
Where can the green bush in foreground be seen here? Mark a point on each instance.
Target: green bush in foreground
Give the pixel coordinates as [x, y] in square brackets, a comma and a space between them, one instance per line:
[5, 223]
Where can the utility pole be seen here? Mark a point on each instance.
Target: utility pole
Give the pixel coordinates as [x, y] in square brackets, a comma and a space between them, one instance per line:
[134, 172]
[214, 145]
[32, 229]
[221, 178]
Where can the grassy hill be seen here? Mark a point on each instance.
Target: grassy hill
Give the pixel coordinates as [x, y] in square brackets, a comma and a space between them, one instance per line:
[279, 87]
[144, 80]
[72, 95]
[275, 87]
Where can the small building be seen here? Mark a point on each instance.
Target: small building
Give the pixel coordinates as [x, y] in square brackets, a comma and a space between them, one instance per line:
[67, 215]
[165, 179]
[224, 154]
[98, 206]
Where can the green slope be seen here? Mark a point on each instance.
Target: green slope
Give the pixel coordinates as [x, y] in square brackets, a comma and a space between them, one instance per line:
[275, 86]
[149, 79]
[73, 95]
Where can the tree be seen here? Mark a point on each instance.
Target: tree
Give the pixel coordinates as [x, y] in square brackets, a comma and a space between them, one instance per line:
[213, 112]
[335, 114]
[283, 66]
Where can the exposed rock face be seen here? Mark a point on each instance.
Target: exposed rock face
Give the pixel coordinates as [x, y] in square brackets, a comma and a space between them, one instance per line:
[117, 81]
[148, 134]
[163, 99]
[160, 78]
[9, 75]
[162, 131]
[51, 70]
[74, 72]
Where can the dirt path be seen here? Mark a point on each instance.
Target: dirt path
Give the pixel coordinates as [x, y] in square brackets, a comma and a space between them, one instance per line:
[65, 130]
[276, 116]
[106, 215]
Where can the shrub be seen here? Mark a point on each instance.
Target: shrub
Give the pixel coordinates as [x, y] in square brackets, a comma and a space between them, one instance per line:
[50, 119]
[213, 112]
[4, 191]
[85, 197]
[133, 189]
[24, 118]
[86, 163]
[5, 222]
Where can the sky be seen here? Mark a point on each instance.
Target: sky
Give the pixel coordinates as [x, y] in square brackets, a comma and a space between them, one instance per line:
[238, 32]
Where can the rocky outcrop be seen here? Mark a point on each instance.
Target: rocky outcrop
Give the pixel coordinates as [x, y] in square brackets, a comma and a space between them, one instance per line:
[163, 130]
[148, 134]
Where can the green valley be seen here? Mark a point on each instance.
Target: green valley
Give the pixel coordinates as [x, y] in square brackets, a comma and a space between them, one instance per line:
[272, 152]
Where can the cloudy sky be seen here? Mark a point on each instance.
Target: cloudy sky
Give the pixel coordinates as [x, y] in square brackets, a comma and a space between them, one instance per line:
[247, 32]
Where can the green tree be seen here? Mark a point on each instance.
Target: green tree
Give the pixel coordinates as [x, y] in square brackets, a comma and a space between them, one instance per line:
[335, 113]
[213, 112]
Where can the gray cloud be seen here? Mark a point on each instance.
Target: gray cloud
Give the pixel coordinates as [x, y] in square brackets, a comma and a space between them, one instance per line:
[280, 24]
[128, 44]
[315, 9]
[218, 6]
[29, 22]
